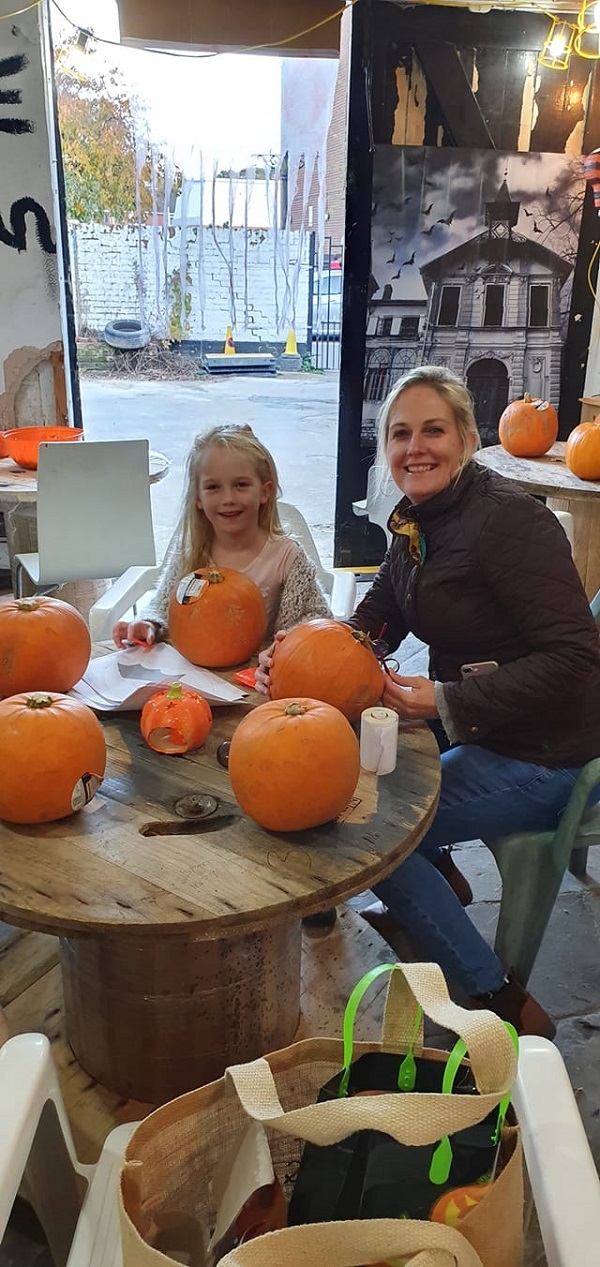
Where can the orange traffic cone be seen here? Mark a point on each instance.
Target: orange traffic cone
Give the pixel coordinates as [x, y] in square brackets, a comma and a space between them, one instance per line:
[229, 349]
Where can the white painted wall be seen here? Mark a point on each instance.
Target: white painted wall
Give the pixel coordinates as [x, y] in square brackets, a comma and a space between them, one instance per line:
[28, 272]
[230, 279]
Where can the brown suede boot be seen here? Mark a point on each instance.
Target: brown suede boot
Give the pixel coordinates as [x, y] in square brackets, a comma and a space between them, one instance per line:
[513, 1003]
[455, 878]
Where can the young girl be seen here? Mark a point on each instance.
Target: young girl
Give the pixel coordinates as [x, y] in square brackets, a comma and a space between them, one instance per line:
[230, 519]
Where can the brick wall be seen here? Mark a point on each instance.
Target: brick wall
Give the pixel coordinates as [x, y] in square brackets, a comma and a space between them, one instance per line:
[230, 279]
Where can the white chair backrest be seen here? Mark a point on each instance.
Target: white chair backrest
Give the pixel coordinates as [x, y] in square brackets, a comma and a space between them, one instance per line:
[382, 496]
[93, 509]
[295, 525]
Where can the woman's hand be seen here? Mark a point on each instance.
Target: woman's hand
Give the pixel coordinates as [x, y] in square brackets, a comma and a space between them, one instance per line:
[141, 632]
[411, 697]
[262, 682]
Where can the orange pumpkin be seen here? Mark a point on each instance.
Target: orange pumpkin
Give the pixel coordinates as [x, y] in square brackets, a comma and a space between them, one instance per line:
[217, 617]
[328, 661]
[176, 719]
[528, 428]
[52, 757]
[44, 645]
[582, 454]
[294, 763]
[453, 1205]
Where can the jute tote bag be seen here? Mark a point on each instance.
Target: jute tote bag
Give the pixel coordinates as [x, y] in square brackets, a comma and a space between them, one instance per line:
[177, 1157]
[353, 1244]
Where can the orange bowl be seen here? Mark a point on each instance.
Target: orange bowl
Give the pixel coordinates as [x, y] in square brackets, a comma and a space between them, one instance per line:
[23, 443]
[3, 448]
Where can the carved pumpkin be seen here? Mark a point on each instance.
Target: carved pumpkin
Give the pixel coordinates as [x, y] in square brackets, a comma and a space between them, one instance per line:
[44, 645]
[329, 661]
[528, 428]
[176, 719]
[294, 763]
[52, 757]
[217, 617]
[582, 454]
[453, 1205]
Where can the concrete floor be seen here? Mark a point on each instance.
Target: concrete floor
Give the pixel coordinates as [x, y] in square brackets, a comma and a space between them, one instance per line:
[296, 416]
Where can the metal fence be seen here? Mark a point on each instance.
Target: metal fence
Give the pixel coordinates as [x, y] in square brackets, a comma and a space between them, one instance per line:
[325, 306]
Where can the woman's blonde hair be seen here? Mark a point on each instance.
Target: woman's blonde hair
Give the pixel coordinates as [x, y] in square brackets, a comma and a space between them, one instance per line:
[197, 534]
[451, 389]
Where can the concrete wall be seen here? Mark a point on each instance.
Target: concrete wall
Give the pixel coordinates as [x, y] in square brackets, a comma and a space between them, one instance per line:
[229, 278]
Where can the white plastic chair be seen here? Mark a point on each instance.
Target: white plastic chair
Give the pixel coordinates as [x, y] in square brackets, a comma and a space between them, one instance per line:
[94, 518]
[37, 1144]
[76, 1204]
[338, 586]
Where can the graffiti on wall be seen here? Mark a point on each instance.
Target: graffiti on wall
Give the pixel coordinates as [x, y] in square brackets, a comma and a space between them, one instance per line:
[16, 236]
[10, 66]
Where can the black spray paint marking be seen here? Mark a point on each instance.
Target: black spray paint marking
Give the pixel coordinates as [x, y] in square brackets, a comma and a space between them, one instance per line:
[18, 238]
[12, 96]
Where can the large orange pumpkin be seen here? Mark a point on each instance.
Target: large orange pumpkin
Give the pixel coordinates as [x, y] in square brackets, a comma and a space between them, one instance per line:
[294, 763]
[175, 719]
[582, 454]
[44, 645]
[328, 661]
[528, 428]
[217, 617]
[52, 757]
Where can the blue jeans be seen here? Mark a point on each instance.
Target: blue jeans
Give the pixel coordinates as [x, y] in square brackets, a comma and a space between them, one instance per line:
[482, 794]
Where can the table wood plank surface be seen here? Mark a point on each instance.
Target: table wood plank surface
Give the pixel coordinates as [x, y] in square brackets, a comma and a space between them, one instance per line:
[97, 870]
[548, 476]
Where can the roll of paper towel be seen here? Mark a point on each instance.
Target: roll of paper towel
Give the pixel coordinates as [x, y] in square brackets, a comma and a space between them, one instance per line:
[378, 740]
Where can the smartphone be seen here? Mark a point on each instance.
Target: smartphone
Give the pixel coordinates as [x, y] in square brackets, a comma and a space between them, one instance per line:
[480, 667]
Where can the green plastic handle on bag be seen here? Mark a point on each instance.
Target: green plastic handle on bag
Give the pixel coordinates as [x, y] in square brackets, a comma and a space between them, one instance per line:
[407, 1072]
[441, 1160]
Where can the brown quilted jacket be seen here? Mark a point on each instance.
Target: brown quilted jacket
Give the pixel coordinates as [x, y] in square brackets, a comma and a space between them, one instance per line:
[497, 583]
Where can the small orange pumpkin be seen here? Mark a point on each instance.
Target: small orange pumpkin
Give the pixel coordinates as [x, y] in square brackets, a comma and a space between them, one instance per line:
[45, 645]
[294, 763]
[176, 719]
[52, 757]
[454, 1204]
[582, 453]
[217, 617]
[329, 661]
[528, 428]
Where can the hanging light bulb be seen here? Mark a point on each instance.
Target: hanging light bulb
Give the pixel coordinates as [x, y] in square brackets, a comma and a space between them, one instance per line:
[559, 45]
[591, 168]
[587, 39]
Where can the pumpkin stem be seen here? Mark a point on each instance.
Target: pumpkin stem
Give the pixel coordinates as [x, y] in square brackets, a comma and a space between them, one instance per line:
[27, 604]
[175, 691]
[38, 699]
[214, 577]
[295, 710]
[527, 398]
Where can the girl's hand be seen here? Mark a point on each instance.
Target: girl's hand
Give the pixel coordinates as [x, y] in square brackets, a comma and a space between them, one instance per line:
[141, 632]
[411, 697]
[265, 659]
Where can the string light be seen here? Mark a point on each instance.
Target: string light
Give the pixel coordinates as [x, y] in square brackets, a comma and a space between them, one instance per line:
[587, 39]
[558, 46]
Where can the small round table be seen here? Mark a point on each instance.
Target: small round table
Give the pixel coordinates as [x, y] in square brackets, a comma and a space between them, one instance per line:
[180, 941]
[550, 477]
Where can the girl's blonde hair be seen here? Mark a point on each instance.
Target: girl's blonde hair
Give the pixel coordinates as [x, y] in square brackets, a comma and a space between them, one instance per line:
[451, 389]
[197, 534]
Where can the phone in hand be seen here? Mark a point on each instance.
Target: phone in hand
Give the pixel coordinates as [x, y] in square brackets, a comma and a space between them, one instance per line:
[478, 668]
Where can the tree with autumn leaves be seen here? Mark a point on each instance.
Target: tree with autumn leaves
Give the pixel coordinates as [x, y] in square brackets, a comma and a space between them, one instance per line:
[98, 143]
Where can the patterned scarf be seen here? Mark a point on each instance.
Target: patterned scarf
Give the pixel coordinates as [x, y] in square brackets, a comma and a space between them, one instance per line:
[400, 526]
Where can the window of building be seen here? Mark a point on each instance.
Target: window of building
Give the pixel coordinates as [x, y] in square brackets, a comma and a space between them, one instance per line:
[384, 327]
[377, 379]
[409, 329]
[539, 305]
[448, 314]
[493, 311]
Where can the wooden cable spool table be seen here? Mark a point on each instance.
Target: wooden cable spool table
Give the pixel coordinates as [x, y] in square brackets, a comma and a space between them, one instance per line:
[550, 477]
[180, 940]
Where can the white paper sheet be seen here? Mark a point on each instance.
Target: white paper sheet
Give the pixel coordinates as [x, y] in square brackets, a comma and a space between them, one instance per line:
[126, 679]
